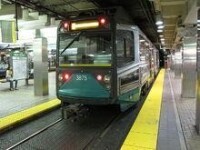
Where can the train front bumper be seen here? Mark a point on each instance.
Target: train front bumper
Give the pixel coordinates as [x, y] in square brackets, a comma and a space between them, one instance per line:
[85, 96]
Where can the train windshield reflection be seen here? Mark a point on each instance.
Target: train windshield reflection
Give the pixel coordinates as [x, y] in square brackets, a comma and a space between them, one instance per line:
[85, 48]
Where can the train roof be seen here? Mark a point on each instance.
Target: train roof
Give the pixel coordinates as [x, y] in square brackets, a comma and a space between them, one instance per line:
[132, 27]
[120, 15]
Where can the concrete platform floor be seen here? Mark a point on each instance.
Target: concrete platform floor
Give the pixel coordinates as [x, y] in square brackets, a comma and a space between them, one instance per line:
[23, 98]
[177, 123]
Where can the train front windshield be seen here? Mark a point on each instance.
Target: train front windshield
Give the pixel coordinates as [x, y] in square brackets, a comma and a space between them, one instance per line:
[85, 48]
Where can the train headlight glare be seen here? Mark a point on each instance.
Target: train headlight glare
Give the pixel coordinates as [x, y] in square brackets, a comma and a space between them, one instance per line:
[66, 25]
[66, 76]
[102, 20]
[60, 77]
[99, 77]
[107, 78]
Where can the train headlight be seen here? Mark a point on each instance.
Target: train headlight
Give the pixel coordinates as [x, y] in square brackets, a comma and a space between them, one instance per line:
[104, 80]
[60, 77]
[66, 76]
[65, 26]
[99, 77]
[102, 21]
[107, 78]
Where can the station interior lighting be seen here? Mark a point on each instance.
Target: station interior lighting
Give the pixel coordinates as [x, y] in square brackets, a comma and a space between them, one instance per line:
[160, 26]
[162, 39]
[159, 30]
[159, 20]
[142, 40]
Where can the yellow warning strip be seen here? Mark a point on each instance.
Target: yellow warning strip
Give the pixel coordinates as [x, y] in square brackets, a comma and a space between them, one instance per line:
[144, 132]
[18, 117]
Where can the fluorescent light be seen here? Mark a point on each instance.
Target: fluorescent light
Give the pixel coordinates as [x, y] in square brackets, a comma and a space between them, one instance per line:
[159, 22]
[161, 35]
[198, 21]
[160, 27]
[142, 40]
[159, 30]
[159, 19]
[162, 39]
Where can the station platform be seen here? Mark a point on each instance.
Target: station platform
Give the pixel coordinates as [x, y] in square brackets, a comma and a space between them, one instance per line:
[21, 104]
[165, 122]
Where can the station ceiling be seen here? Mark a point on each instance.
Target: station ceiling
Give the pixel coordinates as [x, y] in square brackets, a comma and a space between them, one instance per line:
[143, 13]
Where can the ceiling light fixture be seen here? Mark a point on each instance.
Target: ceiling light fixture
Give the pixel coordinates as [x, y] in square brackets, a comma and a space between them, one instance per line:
[159, 30]
[141, 40]
[160, 27]
[159, 20]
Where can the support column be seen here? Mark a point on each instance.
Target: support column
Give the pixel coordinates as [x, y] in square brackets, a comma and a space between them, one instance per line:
[41, 87]
[189, 67]
[177, 64]
[198, 76]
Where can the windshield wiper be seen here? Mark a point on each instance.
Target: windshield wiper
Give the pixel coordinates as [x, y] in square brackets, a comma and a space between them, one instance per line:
[76, 38]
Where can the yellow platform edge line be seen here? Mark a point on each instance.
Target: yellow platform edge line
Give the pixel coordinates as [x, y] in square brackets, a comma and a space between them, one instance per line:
[18, 117]
[143, 134]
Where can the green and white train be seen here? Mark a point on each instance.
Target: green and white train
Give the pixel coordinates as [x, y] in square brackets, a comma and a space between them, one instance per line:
[103, 60]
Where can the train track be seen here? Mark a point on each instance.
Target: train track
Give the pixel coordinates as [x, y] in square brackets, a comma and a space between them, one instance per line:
[102, 132]
[33, 135]
[104, 128]
[91, 134]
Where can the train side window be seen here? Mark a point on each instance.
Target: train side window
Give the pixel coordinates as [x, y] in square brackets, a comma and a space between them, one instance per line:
[144, 49]
[124, 47]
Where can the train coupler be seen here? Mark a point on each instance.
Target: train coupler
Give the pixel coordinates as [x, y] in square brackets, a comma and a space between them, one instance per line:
[74, 111]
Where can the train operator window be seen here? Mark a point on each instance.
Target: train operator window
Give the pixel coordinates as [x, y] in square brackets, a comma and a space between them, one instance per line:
[88, 48]
[124, 47]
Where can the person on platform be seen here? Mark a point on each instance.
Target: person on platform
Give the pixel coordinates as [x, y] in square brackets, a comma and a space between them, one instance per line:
[9, 77]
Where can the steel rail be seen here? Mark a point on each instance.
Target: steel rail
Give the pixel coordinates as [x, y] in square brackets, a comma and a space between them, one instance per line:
[33, 135]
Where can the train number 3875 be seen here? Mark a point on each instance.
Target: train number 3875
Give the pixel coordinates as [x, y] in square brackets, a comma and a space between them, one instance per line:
[81, 77]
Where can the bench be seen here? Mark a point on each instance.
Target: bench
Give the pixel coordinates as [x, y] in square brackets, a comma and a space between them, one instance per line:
[3, 80]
